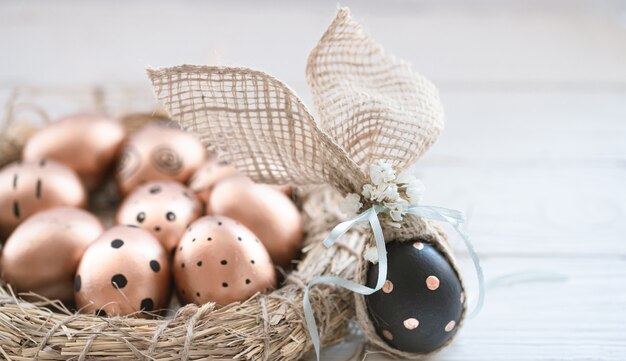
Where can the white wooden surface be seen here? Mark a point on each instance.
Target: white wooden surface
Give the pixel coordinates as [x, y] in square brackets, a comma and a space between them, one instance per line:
[534, 150]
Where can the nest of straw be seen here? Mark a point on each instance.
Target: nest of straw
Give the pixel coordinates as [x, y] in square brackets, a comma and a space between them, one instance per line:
[265, 327]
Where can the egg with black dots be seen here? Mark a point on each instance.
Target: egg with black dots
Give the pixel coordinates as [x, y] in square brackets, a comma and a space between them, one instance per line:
[123, 271]
[421, 303]
[221, 261]
[163, 208]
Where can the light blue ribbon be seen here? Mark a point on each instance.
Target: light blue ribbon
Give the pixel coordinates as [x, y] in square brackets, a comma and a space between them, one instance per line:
[455, 218]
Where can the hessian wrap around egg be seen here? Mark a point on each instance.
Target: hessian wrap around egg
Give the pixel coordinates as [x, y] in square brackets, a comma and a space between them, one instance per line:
[421, 303]
[42, 254]
[29, 187]
[266, 211]
[86, 143]
[164, 208]
[124, 271]
[157, 152]
[219, 260]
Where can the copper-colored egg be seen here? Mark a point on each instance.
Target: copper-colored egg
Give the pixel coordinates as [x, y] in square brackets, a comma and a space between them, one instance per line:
[29, 187]
[267, 212]
[164, 208]
[159, 153]
[42, 254]
[219, 260]
[208, 175]
[124, 271]
[87, 143]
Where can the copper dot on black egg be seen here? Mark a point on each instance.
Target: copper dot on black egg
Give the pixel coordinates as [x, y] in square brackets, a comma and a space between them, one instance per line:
[117, 243]
[77, 283]
[170, 216]
[147, 304]
[119, 281]
[141, 217]
[155, 266]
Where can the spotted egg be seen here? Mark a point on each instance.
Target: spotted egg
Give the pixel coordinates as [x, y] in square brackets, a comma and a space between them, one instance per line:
[86, 143]
[164, 208]
[266, 211]
[220, 260]
[124, 271]
[156, 152]
[421, 302]
[42, 254]
[29, 187]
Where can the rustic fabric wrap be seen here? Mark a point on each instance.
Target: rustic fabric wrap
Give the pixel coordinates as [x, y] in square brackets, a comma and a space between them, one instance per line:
[371, 107]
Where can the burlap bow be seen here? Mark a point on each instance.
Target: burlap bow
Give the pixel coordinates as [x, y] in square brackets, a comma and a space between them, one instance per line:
[370, 107]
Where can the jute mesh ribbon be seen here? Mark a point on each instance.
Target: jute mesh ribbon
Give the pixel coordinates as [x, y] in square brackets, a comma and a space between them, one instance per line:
[371, 107]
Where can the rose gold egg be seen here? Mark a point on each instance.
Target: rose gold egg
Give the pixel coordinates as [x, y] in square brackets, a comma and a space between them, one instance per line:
[86, 143]
[124, 271]
[208, 175]
[164, 208]
[42, 254]
[219, 260]
[29, 187]
[267, 212]
[159, 153]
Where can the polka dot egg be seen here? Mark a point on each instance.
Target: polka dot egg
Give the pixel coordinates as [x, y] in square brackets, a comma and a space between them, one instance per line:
[421, 302]
[124, 271]
[164, 208]
[219, 260]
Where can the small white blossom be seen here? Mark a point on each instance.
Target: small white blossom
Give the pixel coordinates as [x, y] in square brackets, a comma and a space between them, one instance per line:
[397, 209]
[415, 191]
[351, 204]
[381, 193]
[371, 254]
[381, 172]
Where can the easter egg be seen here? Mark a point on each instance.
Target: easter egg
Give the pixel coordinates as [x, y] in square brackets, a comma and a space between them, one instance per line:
[157, 152]
[266, 211]
[421, 303]
[86, 143]
[123, 271]
[29, 187]
[208, 175]
[220, 260]
[43, 252]
[164, 208]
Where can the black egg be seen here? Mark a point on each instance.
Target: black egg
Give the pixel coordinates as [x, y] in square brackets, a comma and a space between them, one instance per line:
[420, 305]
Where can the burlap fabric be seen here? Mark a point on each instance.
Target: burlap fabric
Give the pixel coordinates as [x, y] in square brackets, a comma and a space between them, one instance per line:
[370, 106]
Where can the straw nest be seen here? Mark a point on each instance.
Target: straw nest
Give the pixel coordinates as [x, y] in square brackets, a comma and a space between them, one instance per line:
[265, 327]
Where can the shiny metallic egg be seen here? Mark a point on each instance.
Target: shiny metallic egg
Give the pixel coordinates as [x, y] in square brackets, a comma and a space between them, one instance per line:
[266, 211]
[220, 260]
[124, 271]
[164, 208]
[43, 253]
[156, 152]
[86, 143]
[30, 187]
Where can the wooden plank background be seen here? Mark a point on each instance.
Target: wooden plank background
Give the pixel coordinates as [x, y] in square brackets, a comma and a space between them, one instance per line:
[534, 150]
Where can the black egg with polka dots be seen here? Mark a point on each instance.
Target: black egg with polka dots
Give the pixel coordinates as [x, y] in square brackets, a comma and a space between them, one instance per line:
[421, 302]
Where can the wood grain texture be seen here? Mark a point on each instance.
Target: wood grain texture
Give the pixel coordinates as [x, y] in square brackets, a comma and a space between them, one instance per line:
[534, 148]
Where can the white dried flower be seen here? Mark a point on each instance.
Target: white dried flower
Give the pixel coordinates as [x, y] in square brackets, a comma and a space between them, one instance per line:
[397, 209]
[381, 172]
[371, 254]
[351, 205]
[415, 191]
